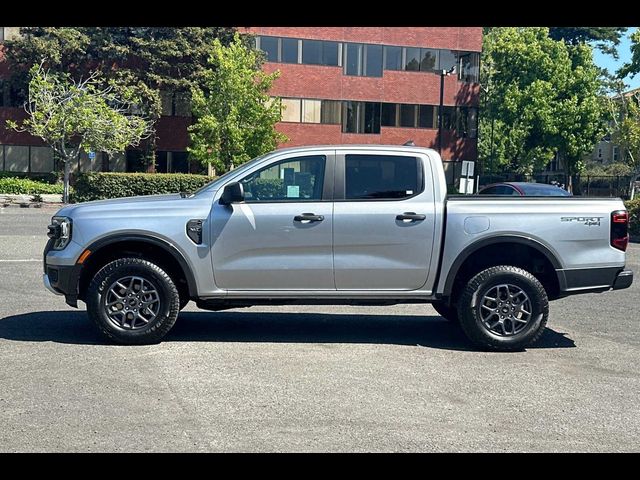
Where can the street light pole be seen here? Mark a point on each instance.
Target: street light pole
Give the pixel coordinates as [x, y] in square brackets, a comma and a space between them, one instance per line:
[443, 73]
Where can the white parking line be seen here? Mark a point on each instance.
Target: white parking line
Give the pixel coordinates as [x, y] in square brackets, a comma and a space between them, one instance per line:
[22, 260]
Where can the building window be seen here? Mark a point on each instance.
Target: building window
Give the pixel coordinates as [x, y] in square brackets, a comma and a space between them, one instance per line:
[1, 34]
[389, 115]
[616, 154]
[393, 58]
[428, 60]
[270, 46]
[448, 60]
[291, 110]
[318, 52]
[412, 59]
[289, 53]
[373, 60]
[330, 112]
[469, 67]
[599, 153]
[408, 115]
[312, 52]
[427, 116]
[449, 118]
[381, 177]
[363, 60]
[311, 111]
[361, 117]
[353, 59]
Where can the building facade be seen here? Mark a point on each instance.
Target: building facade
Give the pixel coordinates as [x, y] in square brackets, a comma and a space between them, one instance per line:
[355, 85]
[376, 84]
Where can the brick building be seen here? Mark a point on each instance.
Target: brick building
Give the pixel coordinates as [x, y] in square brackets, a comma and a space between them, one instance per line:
[338, 85]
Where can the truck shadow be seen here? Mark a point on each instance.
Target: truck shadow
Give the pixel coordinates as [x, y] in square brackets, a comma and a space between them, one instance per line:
[73, 327]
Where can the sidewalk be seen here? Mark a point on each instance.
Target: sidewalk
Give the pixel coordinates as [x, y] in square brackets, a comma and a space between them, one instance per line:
[25, 201]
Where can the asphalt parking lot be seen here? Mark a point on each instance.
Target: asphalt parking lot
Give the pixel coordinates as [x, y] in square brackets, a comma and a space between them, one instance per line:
[275, 379]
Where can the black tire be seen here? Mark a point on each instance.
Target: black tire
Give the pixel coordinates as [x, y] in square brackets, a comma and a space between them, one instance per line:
[168, 301]
[448, 312]
[476, 291]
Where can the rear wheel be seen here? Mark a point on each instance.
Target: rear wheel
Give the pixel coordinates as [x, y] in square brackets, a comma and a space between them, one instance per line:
[503, 308]
[133, 301]
[448, 312]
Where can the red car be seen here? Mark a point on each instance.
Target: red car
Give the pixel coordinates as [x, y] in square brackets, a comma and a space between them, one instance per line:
[528, 189]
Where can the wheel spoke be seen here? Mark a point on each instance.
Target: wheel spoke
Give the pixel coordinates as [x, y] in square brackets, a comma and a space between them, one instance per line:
[138, 299]
[505, 309]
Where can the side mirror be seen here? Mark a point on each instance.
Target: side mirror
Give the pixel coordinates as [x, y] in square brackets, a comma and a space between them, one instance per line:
[232, 193]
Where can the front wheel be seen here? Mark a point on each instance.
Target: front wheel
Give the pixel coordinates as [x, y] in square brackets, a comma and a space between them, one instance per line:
[133, 301]
[503, 308]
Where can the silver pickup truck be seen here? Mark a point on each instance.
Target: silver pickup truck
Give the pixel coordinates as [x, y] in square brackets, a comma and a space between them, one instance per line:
[357, 225]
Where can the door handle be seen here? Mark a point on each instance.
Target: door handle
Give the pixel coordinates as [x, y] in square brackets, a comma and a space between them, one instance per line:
[308, 218]
[412, 216]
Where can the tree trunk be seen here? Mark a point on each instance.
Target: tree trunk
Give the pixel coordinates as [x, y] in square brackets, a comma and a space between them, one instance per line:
[65, 191]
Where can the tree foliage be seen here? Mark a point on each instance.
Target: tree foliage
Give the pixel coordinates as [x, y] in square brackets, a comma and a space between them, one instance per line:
[633, 66]
[80, 115]
[605, 38]
[624, 115]
[234, 116]
[146, 59]
[541, 96]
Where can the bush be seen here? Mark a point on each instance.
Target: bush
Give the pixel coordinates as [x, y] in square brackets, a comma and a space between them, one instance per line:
[51, 177]
[633, 207]
[26, 186]
[99, 186]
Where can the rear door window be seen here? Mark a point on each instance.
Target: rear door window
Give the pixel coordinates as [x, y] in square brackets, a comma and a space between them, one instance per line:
[382, 177]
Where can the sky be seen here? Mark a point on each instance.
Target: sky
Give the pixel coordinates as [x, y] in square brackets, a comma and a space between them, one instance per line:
[607, 61]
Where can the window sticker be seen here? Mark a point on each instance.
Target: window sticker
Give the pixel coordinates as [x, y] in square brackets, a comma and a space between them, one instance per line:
[293, 191]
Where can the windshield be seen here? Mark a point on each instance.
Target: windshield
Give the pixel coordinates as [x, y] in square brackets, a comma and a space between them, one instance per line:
[215, 184]
[544, 190]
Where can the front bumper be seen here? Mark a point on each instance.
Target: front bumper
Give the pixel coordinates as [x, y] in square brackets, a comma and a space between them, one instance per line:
[47, 284]
[61, 279]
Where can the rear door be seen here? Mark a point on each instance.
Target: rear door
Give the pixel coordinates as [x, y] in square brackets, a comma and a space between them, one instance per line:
[384, 216]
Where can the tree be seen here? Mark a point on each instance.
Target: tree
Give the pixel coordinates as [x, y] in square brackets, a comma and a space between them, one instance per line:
[633, 66]
[147, 59]
[234, 116]
[72, 116]
[605, 38]
[542, 98]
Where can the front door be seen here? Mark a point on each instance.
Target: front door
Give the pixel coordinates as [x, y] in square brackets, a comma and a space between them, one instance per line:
[384, 217]
[280, 237]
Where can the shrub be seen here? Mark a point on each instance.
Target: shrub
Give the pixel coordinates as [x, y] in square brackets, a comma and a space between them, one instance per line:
[633, 206]
[99, 186]
[26, 186]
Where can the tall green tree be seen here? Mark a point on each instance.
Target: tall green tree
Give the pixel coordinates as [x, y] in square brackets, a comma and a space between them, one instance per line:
[605, 38]
[540, 97]
[632, 67]
[147, 59]
[72, 116]
[234, 116]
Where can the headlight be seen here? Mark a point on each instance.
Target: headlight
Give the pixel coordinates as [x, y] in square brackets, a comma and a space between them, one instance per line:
[60, 231]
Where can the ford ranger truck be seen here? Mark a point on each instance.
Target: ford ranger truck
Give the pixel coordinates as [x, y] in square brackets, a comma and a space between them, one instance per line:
[356, 225]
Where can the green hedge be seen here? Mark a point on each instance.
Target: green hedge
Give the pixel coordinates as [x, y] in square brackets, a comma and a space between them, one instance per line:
[99, 186]
[25, 186]
[633, 206]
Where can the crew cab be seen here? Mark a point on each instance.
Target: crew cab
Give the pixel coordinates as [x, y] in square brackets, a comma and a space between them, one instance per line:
[358, 225]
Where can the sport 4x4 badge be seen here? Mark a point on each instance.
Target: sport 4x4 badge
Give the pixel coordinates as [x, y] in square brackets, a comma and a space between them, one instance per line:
[588, 221]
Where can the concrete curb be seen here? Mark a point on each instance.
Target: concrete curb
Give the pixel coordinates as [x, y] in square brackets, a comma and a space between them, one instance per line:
[27, 201]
